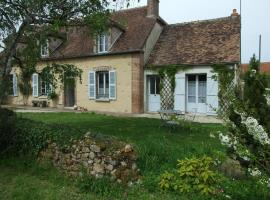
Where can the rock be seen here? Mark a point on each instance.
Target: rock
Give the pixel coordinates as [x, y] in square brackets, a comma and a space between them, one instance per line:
[113, 162]
[109, 167]
[95, 148]
[98, 168]
[128, 148]
[233, 169]
[118, 161]
[86, 150]
[87, 135]
[96, 160]
[134, 166]
[92, 155]
[85, 156]
[85, 164]
[90, 162]
[113, 173]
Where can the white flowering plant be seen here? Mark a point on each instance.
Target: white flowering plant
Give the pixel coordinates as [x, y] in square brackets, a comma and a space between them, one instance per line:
[247, 118]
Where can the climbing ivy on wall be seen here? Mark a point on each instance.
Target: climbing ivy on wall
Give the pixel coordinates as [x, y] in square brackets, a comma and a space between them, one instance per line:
[167, 84]
[225, 77]
[61, 73]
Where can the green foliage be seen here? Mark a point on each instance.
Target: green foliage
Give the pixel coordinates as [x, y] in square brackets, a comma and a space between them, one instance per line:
[8, 121]
[194, 174]
[52, 95]
[170, 71]
[254, 101]
[247, 110]
[24, 136]
[61, 73]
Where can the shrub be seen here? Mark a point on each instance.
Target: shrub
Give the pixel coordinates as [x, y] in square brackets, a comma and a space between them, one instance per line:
[247, 119]
[24, 136]
[7, 128]
[194, 174]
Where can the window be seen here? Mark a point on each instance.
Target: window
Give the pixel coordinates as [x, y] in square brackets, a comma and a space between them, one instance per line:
[102, 43]
[102, 84]
[197, 88]
[192, 89]
[40, 87]
[13, 85]
[202, 89]
[10, 86]
[45, 88]
[154, 85]
[44, 51]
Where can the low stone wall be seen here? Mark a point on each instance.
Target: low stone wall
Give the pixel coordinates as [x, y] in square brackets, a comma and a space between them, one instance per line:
[95, 157]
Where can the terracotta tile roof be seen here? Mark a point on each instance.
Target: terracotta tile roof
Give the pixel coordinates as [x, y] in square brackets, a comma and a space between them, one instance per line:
[264, 68]
[202, 42]
[136, 27]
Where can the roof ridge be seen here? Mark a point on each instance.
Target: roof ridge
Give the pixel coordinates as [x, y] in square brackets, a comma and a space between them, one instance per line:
[201, 21]
[128, 9]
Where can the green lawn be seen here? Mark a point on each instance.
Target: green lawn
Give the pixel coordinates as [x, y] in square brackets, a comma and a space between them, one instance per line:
[156, 146]
[158, 151]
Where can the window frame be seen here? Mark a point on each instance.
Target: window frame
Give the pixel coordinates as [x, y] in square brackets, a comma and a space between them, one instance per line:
[11, 85]
[44, 49]
[103, 40]
[106, 85]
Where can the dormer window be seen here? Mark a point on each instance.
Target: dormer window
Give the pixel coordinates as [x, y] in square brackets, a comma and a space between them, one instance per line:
[44, 49]
[102, 43]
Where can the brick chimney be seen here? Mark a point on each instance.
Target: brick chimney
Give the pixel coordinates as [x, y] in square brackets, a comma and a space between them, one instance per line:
[153, 8]
[234, 13]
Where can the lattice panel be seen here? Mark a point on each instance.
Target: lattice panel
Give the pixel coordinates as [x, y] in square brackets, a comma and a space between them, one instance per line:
[225, 98]
[167, 95]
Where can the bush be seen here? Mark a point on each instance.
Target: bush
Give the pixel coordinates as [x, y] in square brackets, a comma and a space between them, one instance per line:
[7, 129]
[193, 174]
[24, 136]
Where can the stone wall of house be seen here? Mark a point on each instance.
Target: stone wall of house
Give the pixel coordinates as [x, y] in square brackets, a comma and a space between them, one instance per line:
[95, 157]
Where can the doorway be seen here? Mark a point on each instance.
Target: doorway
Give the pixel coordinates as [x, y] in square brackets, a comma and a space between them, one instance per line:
[69, 93]
[196, 93]
[153, 82]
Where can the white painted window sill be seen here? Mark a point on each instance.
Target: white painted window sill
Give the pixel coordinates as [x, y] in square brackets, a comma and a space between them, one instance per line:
[102, 100]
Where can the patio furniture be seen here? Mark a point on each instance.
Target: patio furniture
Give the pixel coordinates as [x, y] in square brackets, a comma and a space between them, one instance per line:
[40, 103]
[169, 118]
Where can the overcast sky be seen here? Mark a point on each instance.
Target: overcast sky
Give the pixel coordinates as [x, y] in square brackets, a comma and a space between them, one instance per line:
[255, 19]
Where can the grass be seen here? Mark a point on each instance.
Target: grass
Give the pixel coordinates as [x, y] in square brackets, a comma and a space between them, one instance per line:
[158, 150]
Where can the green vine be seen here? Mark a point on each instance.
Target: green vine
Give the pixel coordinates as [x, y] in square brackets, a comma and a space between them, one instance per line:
[61, 73]
[224, 75]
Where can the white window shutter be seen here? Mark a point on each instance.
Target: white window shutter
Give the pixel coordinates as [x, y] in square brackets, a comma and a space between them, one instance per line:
[92, 85]
[15, 85]
[112, 85]
[35, 85]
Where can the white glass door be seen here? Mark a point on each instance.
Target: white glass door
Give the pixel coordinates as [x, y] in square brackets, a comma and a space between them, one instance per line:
[153, 93]
[196, 93]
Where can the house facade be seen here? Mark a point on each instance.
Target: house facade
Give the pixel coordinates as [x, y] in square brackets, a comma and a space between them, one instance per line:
[121, 68]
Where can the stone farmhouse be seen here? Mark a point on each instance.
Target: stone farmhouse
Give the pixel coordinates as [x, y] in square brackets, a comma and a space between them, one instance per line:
[121, 67]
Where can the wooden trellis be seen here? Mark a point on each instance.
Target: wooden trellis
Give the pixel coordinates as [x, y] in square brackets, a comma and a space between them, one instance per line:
[167, 94]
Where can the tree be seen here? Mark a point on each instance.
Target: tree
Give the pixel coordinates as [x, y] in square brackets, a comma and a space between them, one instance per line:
[31, 21]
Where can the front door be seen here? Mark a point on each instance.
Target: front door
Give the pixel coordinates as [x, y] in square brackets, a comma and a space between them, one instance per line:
[153, 93]
[69, 93]
[196, 93]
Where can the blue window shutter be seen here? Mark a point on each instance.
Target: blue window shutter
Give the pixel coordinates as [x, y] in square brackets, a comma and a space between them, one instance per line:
[35, 86]
[92, 85]
[15, 85]
[112, 85]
